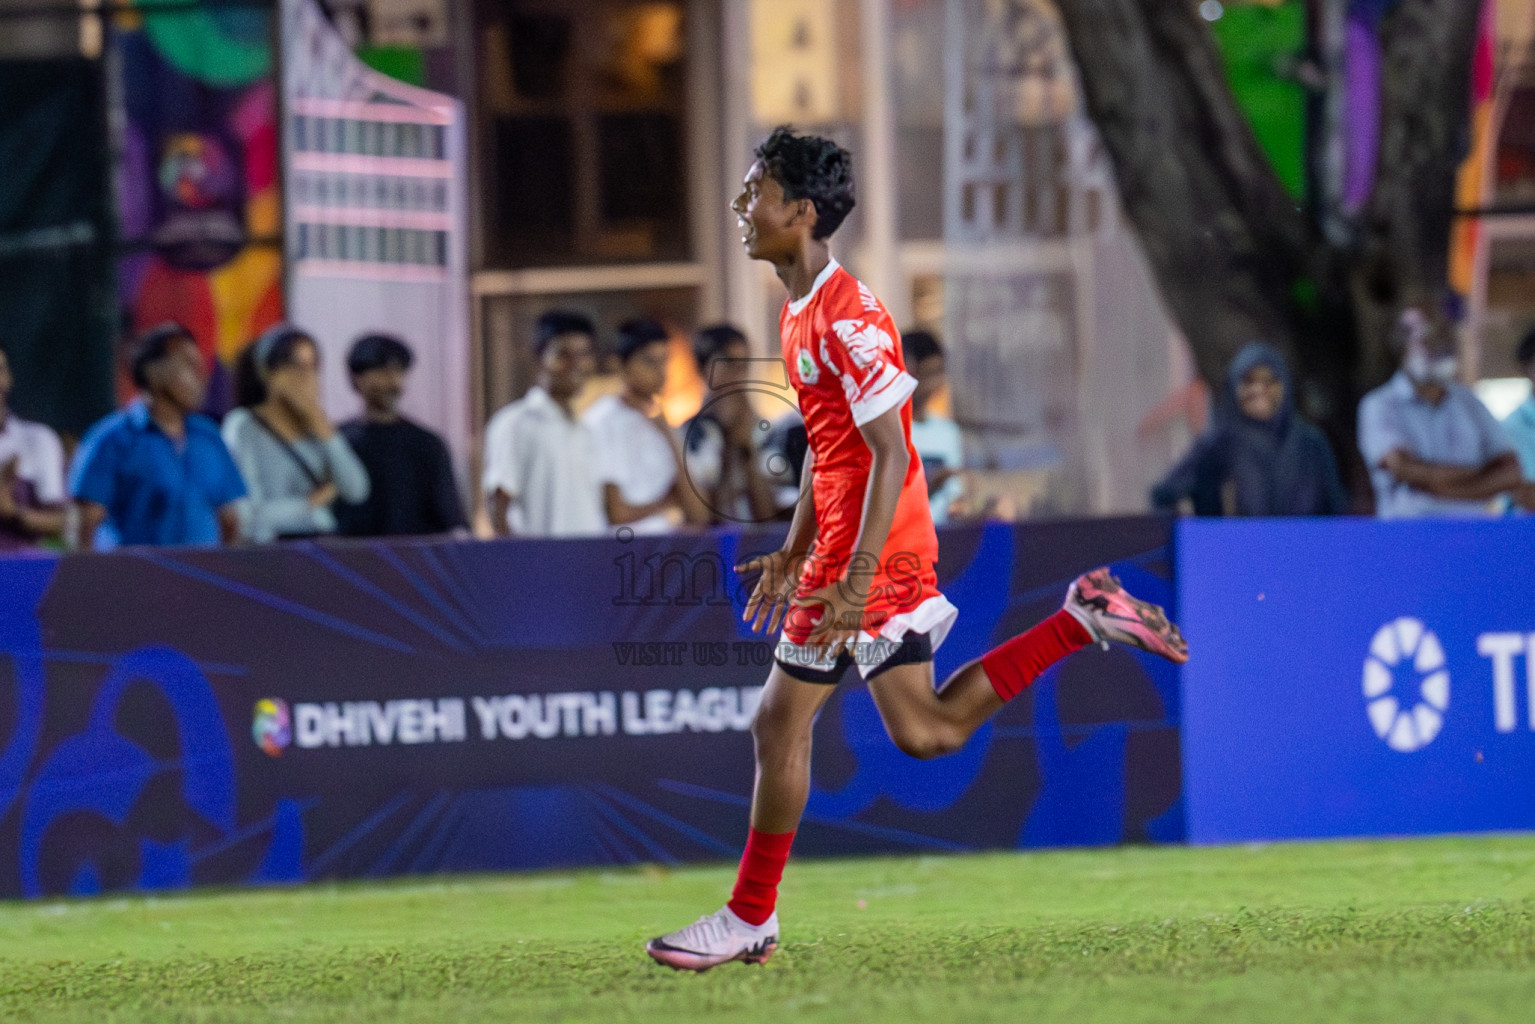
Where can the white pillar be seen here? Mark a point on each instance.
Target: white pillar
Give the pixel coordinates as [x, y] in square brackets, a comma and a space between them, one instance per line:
[745, 296]
[707, 195]
[875, 167]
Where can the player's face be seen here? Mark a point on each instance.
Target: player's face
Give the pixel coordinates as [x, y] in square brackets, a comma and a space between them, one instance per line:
[568, 363]
[5, 377]
[1260, 393]
[764, 215]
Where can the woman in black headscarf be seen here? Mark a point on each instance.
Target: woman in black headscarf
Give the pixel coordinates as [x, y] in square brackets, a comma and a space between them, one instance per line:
[1260, 458]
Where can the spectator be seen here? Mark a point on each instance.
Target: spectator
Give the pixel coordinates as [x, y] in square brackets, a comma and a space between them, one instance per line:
[1520, 426]
[1260, 458]
[639, 461]
[783, 459]
[32, 497]
[540, 475]
[1432, 447]
[296, 464]
[157, 472]
[724, 441]
[936, 438]
[411, 491]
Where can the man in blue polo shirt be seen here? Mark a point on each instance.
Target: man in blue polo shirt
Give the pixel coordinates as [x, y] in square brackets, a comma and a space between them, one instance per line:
[157, 472]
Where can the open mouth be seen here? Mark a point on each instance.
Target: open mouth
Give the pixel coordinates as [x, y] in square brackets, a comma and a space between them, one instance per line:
[747, 234]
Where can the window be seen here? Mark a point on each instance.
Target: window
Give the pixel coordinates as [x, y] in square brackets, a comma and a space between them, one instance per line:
[582, 131]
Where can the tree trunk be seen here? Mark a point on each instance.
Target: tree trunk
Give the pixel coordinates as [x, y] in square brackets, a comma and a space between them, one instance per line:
[1235, 257]
[1224, 239]
[1404, 237]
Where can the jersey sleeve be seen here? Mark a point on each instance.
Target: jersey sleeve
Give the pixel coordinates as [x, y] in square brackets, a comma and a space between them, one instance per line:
[861, 352]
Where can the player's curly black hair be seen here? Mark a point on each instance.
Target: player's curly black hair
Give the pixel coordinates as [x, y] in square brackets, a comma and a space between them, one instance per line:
[813, 168]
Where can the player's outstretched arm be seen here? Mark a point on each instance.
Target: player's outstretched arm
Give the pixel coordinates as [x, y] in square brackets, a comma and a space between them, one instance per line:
[841, 604]
[780, 571]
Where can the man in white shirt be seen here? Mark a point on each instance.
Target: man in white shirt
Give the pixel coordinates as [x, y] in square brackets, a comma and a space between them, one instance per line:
[639, 459]
[539, 478]
[1433, 449]
[32, 497]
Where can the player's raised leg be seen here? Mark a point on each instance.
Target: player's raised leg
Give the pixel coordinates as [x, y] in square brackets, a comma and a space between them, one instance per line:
[746, 928]
[926, 723]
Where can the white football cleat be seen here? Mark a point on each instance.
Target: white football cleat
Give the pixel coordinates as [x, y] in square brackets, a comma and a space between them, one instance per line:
[715, 939]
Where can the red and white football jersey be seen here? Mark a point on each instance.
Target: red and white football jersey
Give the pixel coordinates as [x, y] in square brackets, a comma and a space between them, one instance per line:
[844, 358]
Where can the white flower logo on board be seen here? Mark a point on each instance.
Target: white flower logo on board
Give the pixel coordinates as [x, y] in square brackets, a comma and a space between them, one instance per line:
[1406, 645]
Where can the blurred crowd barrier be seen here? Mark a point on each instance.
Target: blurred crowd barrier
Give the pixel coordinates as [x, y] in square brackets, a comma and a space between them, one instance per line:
[336, 710]
[330, 710]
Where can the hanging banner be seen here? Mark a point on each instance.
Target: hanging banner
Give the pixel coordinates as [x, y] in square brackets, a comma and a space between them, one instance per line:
[198, 192]
[375, 219]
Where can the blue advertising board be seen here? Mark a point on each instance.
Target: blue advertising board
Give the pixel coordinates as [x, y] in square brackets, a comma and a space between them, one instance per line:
[326, 710]
[1352, 677]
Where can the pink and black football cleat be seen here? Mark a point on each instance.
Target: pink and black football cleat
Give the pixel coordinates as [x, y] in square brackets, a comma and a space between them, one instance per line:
[1108, 612]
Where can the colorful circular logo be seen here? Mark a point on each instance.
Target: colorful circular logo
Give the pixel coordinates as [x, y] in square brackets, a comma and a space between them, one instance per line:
[196, 172]
[270, 727]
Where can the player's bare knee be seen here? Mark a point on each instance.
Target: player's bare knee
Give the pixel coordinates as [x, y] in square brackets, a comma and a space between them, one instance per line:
[925, 741]
[775, 730]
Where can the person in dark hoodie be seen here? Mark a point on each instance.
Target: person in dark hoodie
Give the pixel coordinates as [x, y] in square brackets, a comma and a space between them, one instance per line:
[1260, 458]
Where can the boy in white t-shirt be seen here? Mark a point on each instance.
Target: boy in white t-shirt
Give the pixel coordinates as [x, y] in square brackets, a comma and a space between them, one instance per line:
[32, 497]
[639, 459]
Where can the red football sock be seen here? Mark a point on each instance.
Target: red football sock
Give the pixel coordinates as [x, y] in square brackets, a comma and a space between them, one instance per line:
[756, 891]
[1021, 660]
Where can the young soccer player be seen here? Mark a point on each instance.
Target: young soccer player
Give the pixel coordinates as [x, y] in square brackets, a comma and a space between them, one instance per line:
[855, 580]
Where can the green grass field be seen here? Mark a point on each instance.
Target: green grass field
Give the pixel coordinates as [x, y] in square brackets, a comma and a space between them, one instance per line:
[1438, 931]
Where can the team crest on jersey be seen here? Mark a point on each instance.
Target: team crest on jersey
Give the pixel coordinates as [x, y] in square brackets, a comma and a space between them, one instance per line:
[865, 342]
[809, 373]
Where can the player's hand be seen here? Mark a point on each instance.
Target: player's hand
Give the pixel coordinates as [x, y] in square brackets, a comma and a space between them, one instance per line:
[841, 616]
[770, 597]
